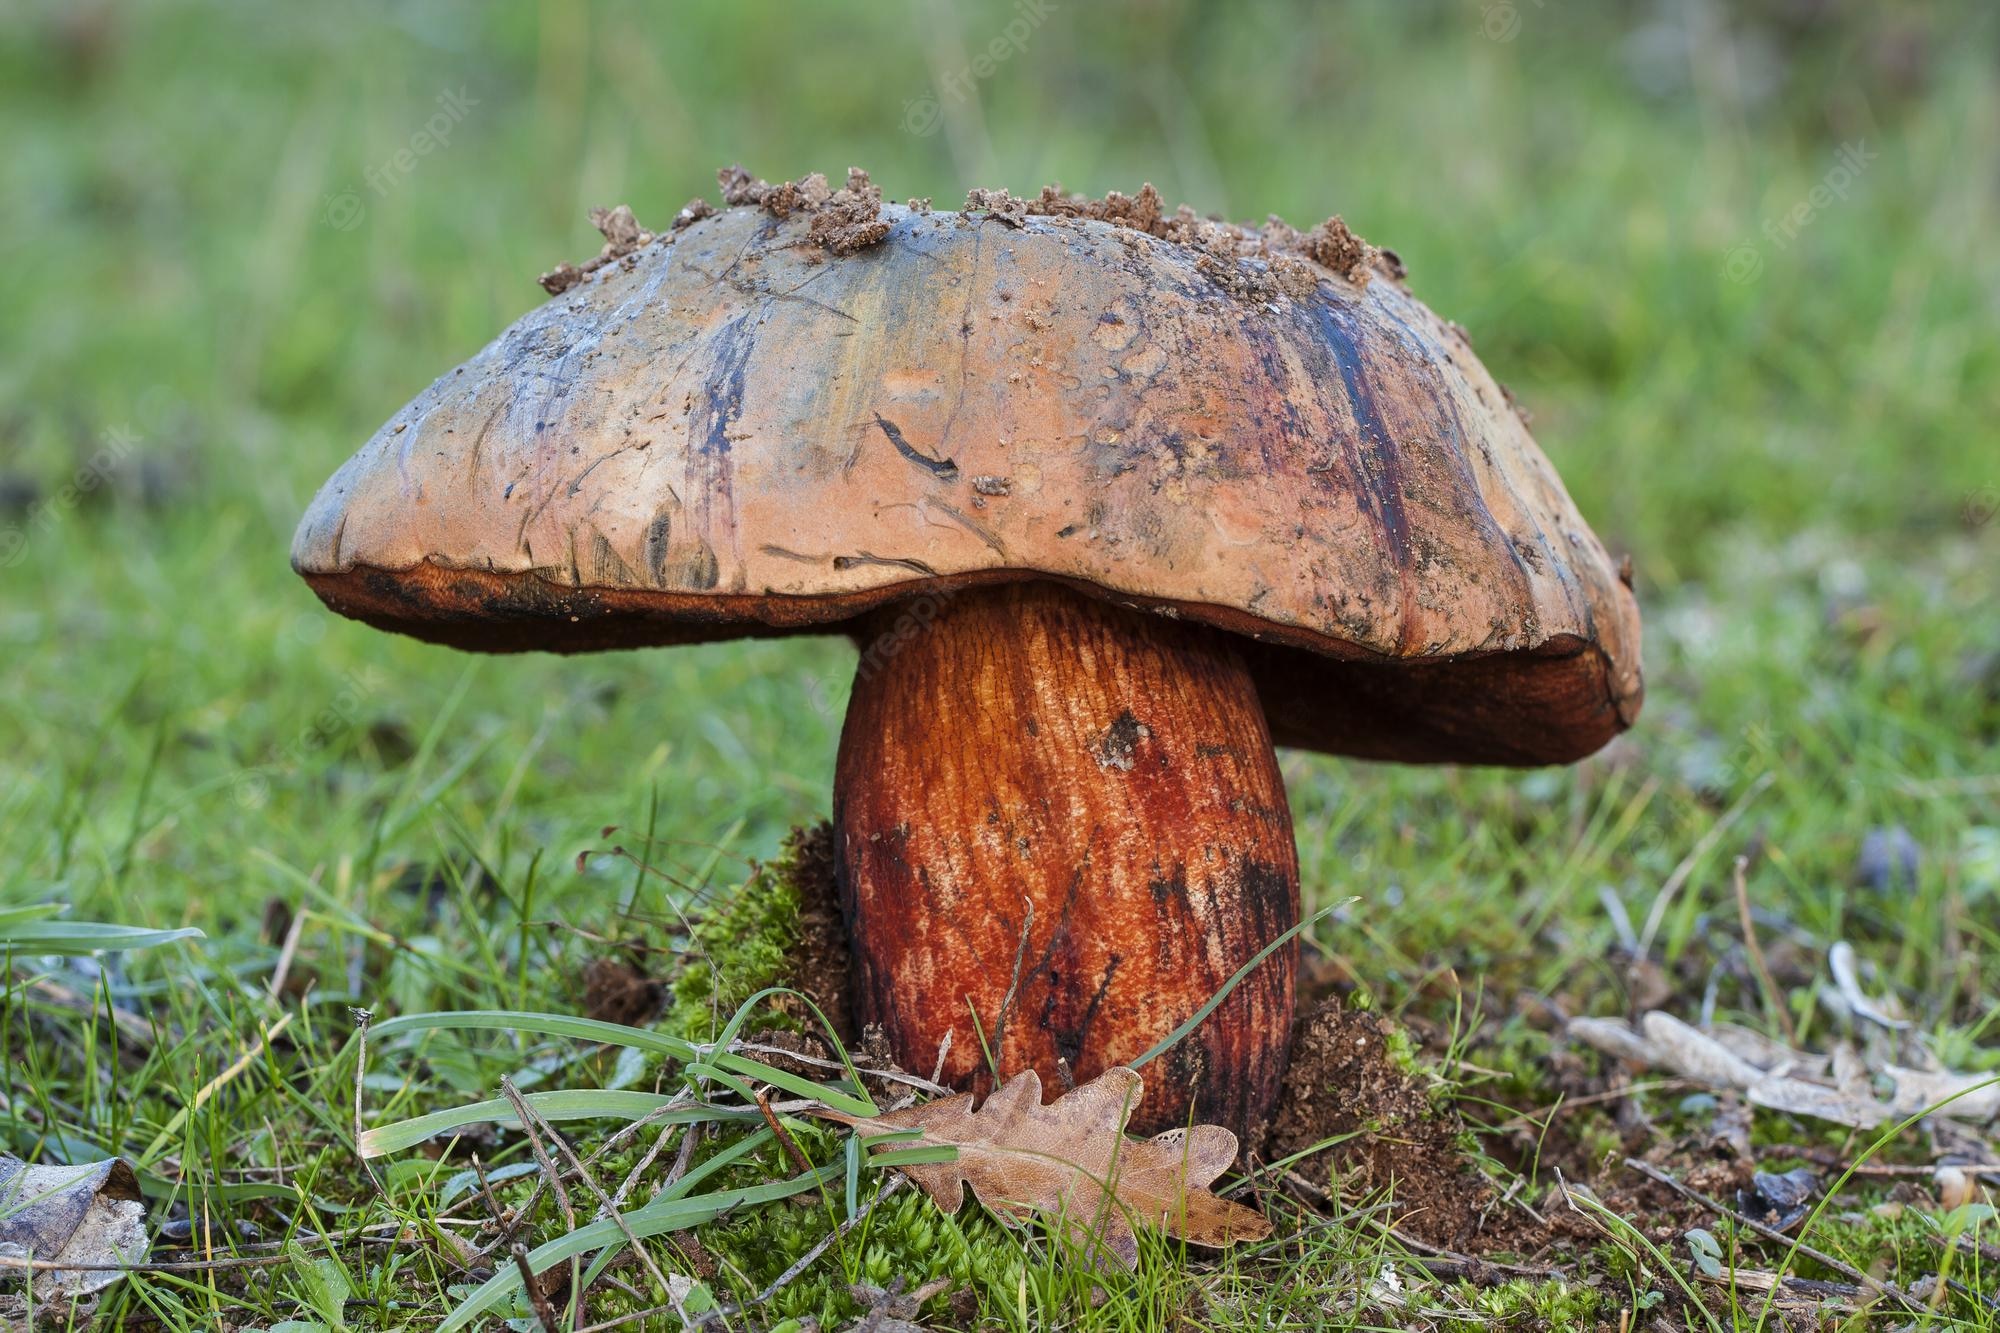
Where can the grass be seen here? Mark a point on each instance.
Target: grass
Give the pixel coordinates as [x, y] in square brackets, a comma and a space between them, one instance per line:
[210, 303]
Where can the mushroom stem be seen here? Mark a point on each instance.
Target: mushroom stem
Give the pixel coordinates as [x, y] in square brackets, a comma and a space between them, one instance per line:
[1066, 819]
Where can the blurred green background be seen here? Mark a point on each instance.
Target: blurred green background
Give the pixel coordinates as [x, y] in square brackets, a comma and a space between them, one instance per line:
[1742, 262]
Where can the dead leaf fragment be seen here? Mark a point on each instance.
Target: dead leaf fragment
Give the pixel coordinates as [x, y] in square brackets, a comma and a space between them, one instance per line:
[90, 1215]
[1071, 1163]
[1773, 1075]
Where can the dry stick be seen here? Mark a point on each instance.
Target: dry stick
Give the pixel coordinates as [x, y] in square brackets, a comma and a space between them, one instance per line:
[1547, 1113]
[283, 971]
[1679, 878]
[165, 1266]
[1755, 1279]
[1411, 1242]
[1846, 1270]
[609, 1145]
[1014, 985]
[781, 1134]
[632, 1179]
[536, 1297]
[805, 1261]
[486, 1192]
[527, 1117]
[1772, 996]
[604, 1204]
[362, 1018]
[887, 1075]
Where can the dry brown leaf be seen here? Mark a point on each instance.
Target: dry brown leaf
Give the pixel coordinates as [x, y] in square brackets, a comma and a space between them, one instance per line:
[1773, 1075]
[1072, 1163]
[90, 1215]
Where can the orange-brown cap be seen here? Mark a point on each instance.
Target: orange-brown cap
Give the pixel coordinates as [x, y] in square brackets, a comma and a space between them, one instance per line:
[746, 428]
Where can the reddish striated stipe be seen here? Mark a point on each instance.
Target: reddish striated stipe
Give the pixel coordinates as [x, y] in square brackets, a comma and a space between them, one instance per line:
[1026, 745]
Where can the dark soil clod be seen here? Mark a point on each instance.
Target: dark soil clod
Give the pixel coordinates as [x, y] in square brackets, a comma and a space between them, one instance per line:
[1346, 1083]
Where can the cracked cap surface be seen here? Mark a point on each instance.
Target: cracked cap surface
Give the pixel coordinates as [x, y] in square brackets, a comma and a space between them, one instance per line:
[729, 433]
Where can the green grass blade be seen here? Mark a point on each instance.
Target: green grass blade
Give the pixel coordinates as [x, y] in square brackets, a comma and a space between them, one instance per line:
[566, 1104]
[652, 1220]
[541, 1025]
[82, 937]
[796, 1084]
[1166, 1043]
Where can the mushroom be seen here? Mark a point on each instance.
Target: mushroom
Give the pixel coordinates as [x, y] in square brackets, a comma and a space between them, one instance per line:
[1110, 507]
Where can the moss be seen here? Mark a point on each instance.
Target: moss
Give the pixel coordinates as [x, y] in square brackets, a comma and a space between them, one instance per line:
[779, 928]
[906, 1239]
[1525, 1304]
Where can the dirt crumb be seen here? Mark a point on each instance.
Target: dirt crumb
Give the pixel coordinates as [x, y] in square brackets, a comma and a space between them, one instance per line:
[851, 218]
[1000, 205]
[1267, 262]
[1332, 245]
[1256, 263]
[693, 211]
[739, 187]
[821, 964]
[843, 220]
[623, 236]
[1347, 1083]
[617, 992]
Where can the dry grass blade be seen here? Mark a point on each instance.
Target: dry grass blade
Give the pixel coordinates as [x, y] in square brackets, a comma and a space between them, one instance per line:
[1071, 1163]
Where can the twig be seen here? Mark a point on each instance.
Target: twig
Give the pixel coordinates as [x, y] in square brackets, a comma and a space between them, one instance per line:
[526, 1115]
[805, 1260]
[362, 1018]
[1658, 914]
[781, 1134]
[536, 1297]
[1014, 986]
[633, 1177]
[1772, 996]
[163, 1266]
[283, 971]
[1546, 1114]
[685, 1157]
[888, 1075]
[1812, 1289]
[1770, 1233]
[1467, 1262]
[493, 1208]
[606, 1208]
[1834, 1162]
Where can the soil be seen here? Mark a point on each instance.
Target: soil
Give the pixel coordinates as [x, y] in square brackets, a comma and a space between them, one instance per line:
[617, 992]
[1282, 247]
[623, 236]
[822, 960]
[1345, 1083]
[1281, 259]
[843, 220]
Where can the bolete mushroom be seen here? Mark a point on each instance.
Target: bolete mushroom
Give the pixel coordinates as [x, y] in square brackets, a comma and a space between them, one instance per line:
[1111, 499]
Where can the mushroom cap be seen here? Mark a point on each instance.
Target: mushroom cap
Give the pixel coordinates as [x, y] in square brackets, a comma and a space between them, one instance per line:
[729, 432]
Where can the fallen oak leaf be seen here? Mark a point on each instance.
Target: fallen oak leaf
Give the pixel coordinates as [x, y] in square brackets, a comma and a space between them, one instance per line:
[1071, 1163]
[91, 1215]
